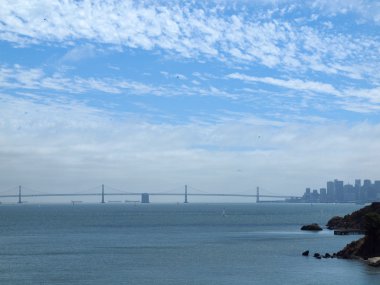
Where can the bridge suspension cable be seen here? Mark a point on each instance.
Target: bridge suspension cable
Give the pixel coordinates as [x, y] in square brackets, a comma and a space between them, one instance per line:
[262, 189]
[32, 191]
[250, 191]
[197, 189]
[178, 189]
[11, 190]
[114, 189]
[89, 190]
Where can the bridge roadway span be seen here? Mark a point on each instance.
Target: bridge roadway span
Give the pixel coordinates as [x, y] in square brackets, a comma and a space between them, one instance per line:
[140, 193]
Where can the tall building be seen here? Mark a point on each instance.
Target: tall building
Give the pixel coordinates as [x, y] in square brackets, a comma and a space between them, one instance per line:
[307, 195]
[330, 192]
[349, 193]
[323, 195]
[364, 190]
[315, 196]
[371, 193]
[376, 185]
[339, 191]
[358, 186]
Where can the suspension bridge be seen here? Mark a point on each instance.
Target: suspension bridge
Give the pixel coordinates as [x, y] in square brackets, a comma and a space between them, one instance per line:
[20, 194]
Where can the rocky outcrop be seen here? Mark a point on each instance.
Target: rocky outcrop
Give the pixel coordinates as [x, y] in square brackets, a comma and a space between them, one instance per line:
[327, 255]
[317, 255]
[368, 219]
[335, 222]
[311, 227]
[374, 261]
[351, 250]
[356, 220]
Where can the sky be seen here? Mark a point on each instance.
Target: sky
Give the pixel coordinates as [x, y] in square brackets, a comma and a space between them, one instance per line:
[221, 95]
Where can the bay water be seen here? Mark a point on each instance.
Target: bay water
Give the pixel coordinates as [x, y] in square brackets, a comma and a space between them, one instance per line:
[174, 244]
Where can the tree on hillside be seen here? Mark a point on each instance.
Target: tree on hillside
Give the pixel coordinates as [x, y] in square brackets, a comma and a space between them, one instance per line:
[372, 239]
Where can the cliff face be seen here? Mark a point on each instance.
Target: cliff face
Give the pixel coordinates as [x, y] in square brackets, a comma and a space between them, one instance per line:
[366, 247]
[371, 244]
[356, 220]
[368, 219]
[351, 250]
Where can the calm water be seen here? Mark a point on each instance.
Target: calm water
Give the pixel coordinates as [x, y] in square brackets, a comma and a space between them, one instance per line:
[173, 244]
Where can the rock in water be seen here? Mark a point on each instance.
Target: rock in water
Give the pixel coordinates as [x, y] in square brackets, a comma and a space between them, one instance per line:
[374, 261]
[311, 227]
[327, 255]
[305, 253]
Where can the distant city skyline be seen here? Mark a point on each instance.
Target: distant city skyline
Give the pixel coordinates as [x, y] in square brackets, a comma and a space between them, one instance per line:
[222, 95]
[336, 191]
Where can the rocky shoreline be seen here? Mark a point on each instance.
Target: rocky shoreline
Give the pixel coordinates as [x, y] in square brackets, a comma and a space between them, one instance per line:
[368, 219]
[366, 248]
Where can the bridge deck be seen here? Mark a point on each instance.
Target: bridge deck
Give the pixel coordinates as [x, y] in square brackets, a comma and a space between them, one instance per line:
[139, 194]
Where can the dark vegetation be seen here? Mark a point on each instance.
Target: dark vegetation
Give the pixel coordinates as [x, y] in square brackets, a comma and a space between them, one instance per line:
[368, 219]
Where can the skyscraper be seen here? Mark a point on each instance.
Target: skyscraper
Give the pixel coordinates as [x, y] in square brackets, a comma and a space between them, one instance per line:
[358, 185]
[322, 195]
[376, 186]
[307, 195]
[339, 191]
[330, 192]
[349, 193]
[364, 190]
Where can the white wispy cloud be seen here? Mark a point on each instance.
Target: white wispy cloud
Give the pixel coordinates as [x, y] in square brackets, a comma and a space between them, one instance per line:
[367, 10]
[190, 31]
[295, 84]
[79, 52]
[175, 75]
[50, 128]
[361, 100]
[20, 77]
[372, 95]
[73, 142]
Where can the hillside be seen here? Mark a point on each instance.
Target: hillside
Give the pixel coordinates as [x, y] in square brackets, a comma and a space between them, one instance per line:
[368, 219]
[356, 220]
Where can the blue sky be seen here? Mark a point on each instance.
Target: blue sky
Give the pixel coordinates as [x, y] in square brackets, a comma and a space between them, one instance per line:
[222, 95]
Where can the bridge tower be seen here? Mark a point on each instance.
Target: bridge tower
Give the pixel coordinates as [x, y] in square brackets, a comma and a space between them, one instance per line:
[145, 198]
[102, 193]
[186, 195]
[257, 194]
[19, 195]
